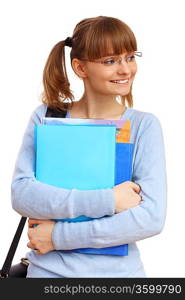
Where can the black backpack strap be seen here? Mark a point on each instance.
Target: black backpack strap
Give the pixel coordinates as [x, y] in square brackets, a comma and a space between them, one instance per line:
[55, 113]
[4, 272]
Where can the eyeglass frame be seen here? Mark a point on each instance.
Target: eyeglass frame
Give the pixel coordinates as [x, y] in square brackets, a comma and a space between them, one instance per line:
[137, 53]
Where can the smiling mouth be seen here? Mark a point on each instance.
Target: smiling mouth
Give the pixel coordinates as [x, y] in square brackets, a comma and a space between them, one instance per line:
[125, 81]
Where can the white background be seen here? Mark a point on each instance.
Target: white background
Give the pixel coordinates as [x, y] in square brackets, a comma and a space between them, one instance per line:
[29, 29]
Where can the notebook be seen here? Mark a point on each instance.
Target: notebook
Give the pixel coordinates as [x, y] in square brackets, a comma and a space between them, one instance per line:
[105, 158]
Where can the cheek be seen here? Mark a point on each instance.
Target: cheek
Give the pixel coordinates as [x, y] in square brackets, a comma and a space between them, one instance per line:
[99, 78]
[134, 70]
[96, 73]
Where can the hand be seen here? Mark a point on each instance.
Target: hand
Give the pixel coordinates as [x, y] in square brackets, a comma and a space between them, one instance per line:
[126, 195]
[41, 236]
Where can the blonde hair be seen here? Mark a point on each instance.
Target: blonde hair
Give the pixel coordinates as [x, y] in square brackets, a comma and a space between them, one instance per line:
[92, 39]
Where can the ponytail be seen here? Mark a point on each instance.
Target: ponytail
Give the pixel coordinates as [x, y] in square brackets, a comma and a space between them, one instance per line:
[55, 79]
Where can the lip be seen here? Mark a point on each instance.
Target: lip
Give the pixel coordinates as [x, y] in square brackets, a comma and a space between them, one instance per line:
[125, 83]
[121, 79]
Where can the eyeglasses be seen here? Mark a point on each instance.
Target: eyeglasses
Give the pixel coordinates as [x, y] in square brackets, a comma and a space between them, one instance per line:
[112, 61]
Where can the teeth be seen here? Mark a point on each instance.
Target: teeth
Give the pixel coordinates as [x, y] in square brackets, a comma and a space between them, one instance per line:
[120, 81]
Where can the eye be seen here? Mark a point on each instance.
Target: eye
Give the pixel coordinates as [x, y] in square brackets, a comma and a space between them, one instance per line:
[131, 57]
[109, 61]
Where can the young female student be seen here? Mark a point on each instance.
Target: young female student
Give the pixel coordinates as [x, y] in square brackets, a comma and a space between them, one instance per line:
[103, 55]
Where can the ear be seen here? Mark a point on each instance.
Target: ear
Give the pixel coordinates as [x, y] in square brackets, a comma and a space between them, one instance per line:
[79, 67]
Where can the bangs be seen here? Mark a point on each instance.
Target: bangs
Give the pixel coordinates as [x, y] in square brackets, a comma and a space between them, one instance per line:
[109, 37]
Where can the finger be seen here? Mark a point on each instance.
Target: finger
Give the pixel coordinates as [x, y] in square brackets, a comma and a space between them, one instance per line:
[136, 187]
[29, 233]
[139, 187]
[141, 199]
[39, 221]
[30, 225]
[30, 245]
[38, 252]
[32, 222]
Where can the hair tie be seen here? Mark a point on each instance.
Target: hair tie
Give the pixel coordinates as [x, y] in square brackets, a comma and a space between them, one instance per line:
[68, 42]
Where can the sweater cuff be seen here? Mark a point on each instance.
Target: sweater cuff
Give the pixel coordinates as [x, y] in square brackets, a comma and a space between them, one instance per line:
[96, 203]
[62, 238]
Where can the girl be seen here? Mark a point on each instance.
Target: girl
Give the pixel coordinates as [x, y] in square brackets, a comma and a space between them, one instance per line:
[103, 55]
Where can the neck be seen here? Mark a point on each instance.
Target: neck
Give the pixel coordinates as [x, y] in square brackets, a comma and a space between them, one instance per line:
[100, 107]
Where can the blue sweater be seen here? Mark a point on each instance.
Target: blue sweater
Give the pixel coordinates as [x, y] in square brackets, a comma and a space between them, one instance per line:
[32, 198]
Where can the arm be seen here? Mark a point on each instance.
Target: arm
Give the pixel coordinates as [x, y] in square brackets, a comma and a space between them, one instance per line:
[140, 222]
[35, 199]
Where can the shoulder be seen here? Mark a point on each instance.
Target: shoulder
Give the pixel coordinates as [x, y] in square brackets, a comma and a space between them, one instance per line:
[38, 113]
[146, 118]
[142, 116]
[143, 122]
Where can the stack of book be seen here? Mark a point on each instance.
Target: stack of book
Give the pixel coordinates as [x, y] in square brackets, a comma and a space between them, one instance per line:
[84, 154]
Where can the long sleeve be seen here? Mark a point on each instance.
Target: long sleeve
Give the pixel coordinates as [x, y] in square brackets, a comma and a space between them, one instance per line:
[35, 199]
[140, 222]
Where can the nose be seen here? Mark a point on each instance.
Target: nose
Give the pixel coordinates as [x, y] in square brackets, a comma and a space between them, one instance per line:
[123, 67]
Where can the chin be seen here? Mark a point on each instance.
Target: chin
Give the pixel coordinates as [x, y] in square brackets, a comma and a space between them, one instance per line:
[124, 93]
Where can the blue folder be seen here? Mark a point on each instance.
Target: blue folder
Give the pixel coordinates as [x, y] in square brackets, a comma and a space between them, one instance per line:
[56, 158]
[123, 172]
